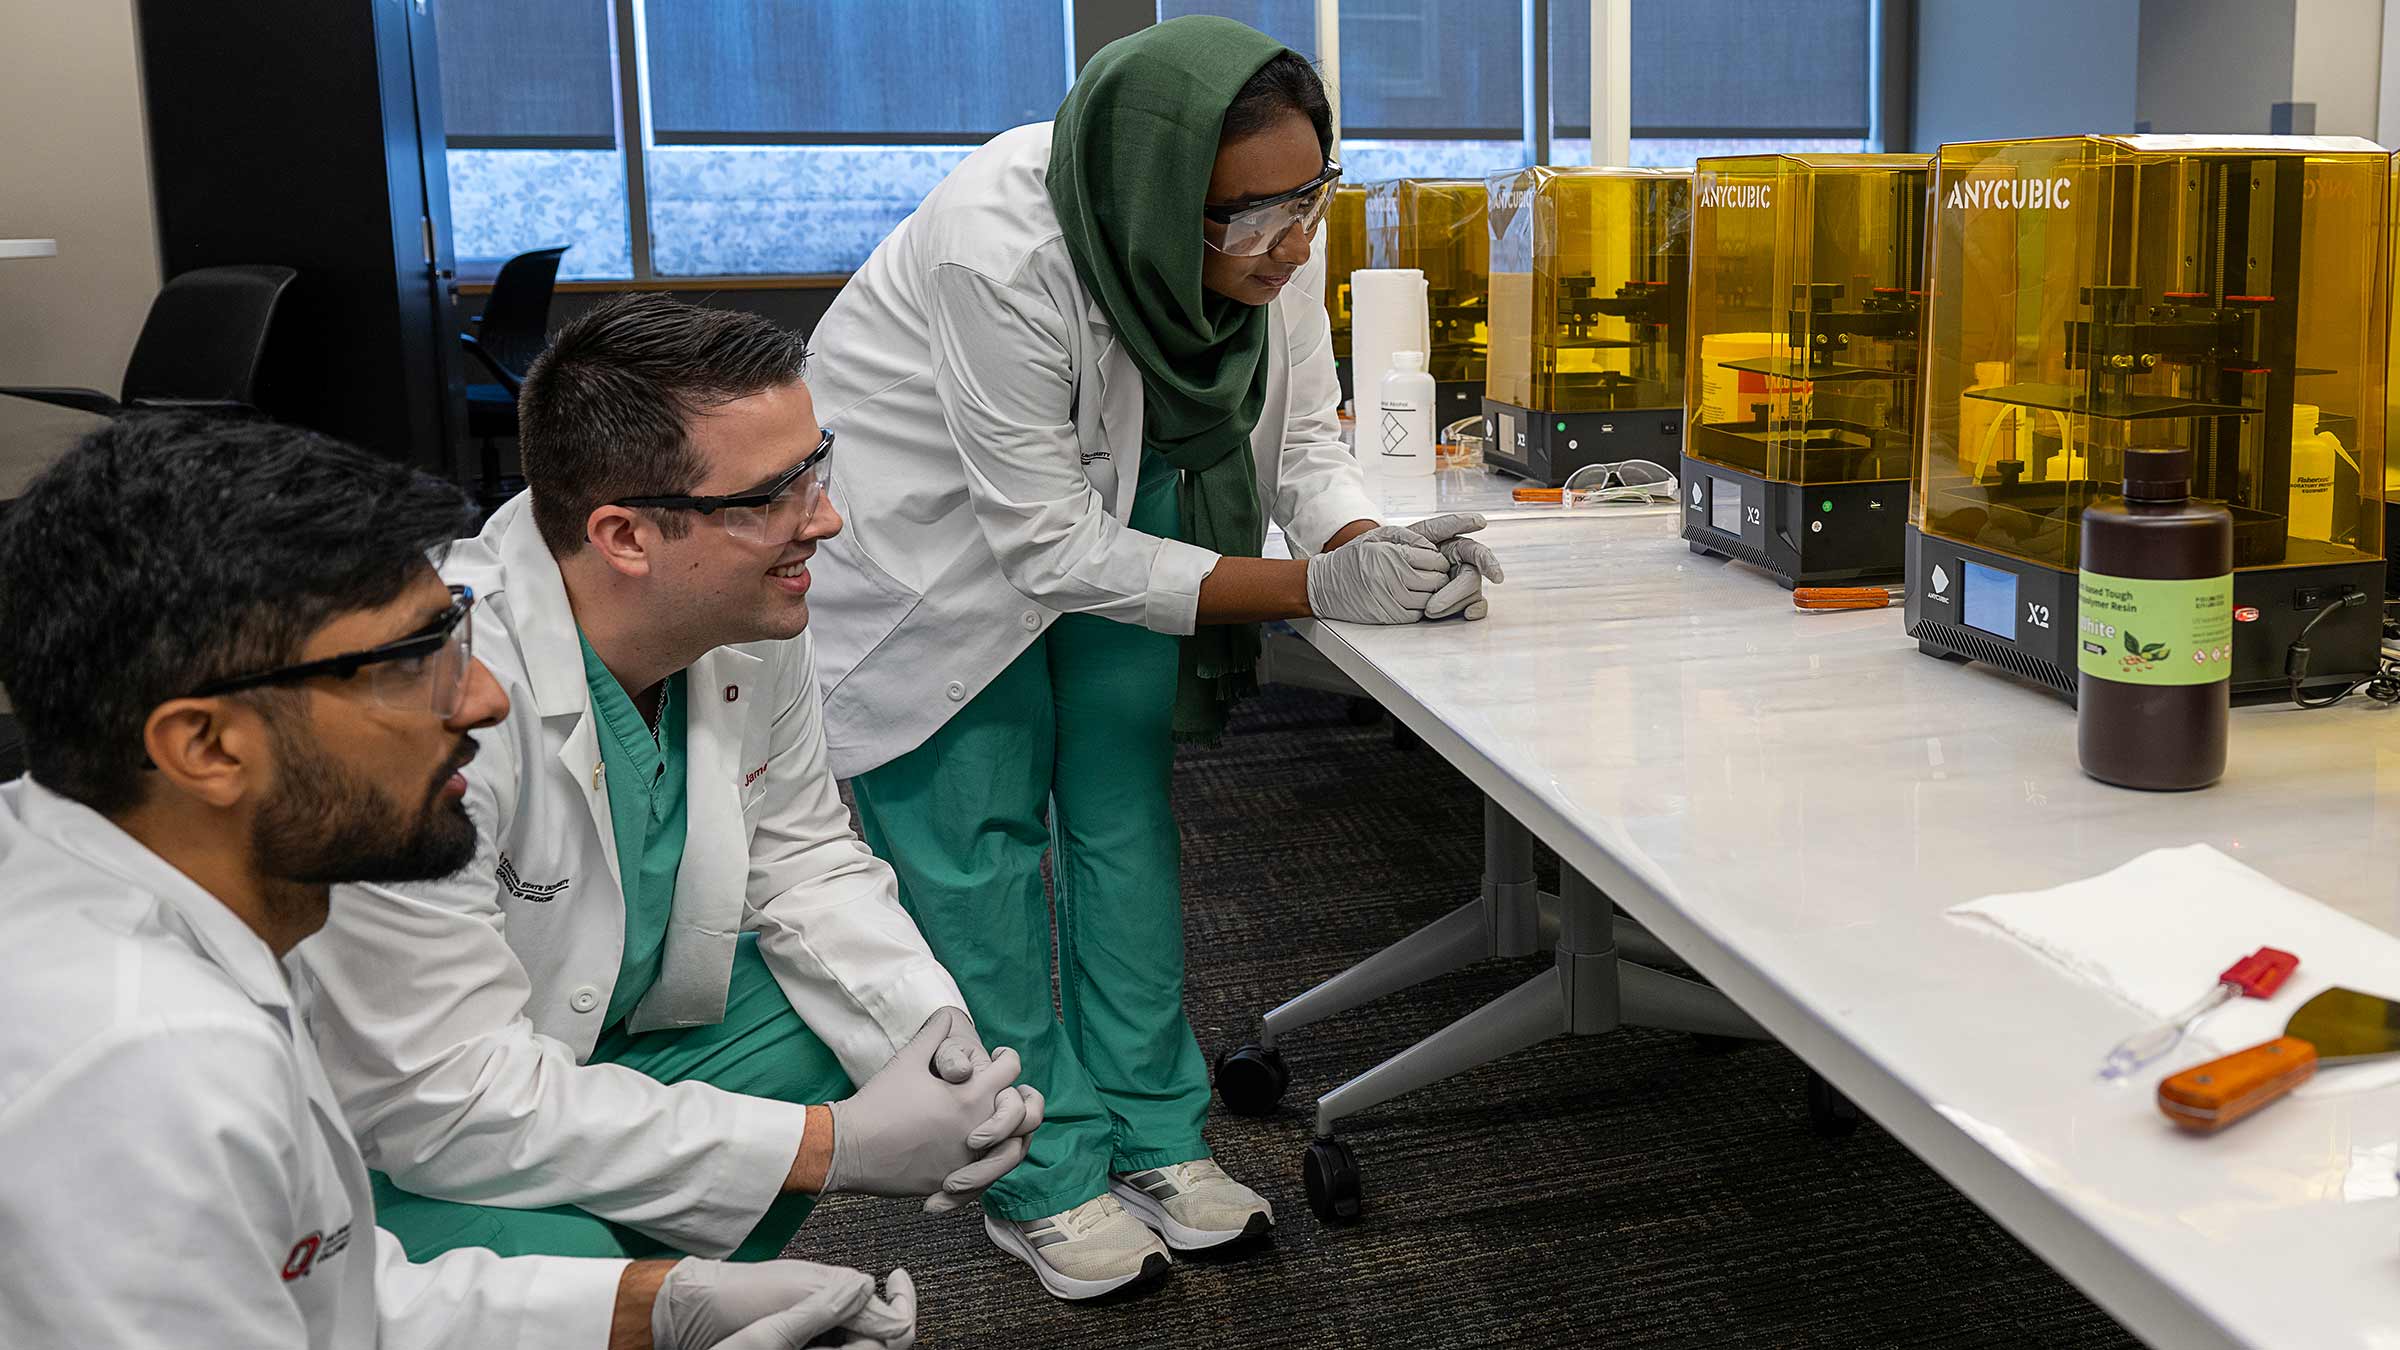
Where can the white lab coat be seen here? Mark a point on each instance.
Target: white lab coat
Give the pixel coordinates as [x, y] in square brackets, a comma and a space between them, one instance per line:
[455, 1016]
[178, 1172]
[991, 442]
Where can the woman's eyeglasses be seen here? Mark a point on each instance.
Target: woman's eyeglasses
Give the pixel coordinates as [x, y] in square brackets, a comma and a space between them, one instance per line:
[1251, 228]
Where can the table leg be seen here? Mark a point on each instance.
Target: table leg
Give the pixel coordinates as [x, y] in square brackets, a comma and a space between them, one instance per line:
[1506, 920]
[1588, 990]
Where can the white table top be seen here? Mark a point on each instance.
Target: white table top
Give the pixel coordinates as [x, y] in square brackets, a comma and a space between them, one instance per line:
[1792, 800]
[28, 248]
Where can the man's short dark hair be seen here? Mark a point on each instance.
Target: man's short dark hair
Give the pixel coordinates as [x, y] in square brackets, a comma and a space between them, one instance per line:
[606, 412]
[164, 552]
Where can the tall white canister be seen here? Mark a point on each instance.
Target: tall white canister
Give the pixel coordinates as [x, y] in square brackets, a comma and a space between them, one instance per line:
[1387, 314]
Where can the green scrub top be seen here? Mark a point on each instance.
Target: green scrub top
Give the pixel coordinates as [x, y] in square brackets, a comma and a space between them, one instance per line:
[1156, 469]
[646, 803]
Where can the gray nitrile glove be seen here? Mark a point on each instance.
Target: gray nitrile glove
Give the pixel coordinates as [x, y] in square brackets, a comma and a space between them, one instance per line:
[886, 1323]
[1376, 580]
[1005, 1136]
[777, 1305]
[1471, 565]
[1440, 530]
[960, 1056]
[907, 1130]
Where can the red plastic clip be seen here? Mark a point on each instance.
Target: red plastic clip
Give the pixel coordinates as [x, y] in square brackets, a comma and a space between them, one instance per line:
[2262, 972]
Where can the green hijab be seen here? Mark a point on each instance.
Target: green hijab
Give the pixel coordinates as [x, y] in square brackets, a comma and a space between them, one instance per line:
[1130, 159]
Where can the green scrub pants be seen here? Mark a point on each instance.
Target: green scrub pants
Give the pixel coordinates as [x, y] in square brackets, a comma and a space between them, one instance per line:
[761, 1049]
[1082, 724]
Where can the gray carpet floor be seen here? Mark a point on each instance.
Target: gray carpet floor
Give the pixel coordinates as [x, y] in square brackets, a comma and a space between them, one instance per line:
[1636, 1189]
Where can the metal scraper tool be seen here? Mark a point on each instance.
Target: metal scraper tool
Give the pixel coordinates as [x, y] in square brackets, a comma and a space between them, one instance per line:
[2336, 1027]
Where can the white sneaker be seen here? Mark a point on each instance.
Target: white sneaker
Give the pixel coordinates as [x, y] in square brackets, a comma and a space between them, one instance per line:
[1093, 1249]
[1194, 1205]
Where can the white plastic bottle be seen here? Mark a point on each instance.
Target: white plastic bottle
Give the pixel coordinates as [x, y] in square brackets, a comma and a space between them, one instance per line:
[1402, 454]
[2311, 507]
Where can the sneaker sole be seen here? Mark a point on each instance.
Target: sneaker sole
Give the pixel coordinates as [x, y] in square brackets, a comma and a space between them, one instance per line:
[1179, 1238]
[1006, 1238]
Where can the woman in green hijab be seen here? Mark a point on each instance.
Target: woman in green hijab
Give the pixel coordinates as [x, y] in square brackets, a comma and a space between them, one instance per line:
[1074, 387]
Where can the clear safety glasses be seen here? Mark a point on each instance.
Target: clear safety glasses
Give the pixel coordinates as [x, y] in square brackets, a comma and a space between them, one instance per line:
[773, 512]
[425, 670]
[1627, 480]
[1251, 228]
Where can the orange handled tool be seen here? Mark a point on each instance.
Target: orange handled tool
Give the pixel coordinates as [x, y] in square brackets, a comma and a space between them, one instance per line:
[1844, 597]
[2337, 1026]
[2216, 1094]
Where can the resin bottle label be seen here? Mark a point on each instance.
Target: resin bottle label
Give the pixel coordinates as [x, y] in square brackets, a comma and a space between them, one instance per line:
[2138, 631]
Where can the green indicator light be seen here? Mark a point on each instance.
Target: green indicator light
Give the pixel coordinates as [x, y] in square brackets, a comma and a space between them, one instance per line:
[1825, 505]
[1562, 426]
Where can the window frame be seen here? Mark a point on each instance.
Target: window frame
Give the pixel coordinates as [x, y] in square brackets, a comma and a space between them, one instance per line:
[1089, 24]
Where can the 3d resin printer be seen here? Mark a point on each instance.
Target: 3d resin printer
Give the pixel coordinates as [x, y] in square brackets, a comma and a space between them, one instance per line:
[1589, 269]
[1437, 226]
[1801, 384]
[2391, 419]
[1344, 239]
[2096, 294]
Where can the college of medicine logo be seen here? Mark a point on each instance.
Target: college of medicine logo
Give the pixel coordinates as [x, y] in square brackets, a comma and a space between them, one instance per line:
[308, 1251]
[526, 890]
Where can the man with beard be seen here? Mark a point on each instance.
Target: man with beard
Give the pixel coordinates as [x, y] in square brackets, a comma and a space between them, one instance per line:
[242, 682]
[632, 1024]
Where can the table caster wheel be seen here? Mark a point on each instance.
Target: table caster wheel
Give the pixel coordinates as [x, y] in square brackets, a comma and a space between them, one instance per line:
[1251, 1080]
[1331, 1171]
[1830, 1114]
[1362, 712]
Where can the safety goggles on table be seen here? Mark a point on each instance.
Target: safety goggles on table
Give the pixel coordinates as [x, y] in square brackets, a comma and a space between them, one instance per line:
[425, 670]
[1251, 228]
[768, 514]
[1626, 480]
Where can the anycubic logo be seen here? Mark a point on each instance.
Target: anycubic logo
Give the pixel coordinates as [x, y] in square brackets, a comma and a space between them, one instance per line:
[1695, 494]
[1941, 580]
[1714, 194]
[2008, 194]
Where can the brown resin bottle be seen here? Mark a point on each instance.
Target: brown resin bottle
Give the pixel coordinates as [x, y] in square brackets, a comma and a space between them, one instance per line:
[2154, 630]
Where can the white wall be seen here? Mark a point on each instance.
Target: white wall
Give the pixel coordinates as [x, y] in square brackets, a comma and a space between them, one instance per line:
[2387, 95]
[2211, 66]
[75, 167]
[2337, 55]
[1990, 71]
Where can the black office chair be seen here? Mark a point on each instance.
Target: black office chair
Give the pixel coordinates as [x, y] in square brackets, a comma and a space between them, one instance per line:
[509, 334]
[199, 349]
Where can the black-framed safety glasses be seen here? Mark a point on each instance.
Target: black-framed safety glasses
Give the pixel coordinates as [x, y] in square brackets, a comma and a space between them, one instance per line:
[768, 514]
[425, 670]
[1247, 230]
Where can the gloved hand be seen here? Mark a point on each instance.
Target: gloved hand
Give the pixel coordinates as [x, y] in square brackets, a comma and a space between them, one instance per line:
[1004, 1136]
[780, 1305]
[1383, 576]
[908, 1130]
[1471, 564]
[960, 1056]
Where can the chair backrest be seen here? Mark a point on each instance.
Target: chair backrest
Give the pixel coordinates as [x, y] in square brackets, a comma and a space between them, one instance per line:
[204, 335]
[516, 319]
